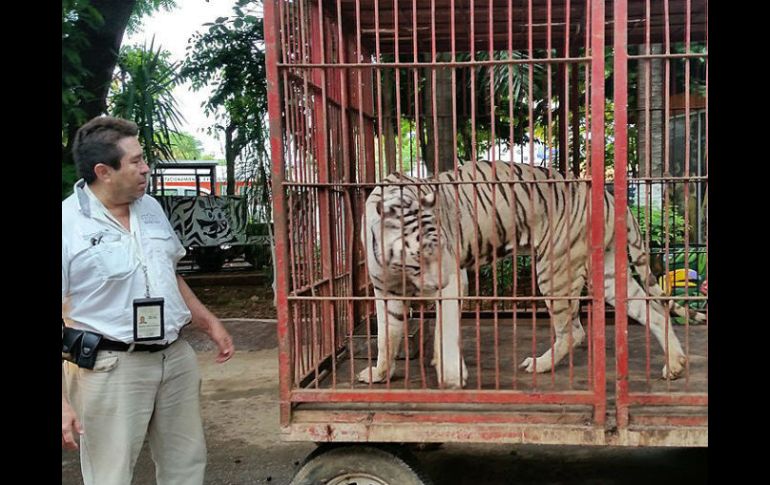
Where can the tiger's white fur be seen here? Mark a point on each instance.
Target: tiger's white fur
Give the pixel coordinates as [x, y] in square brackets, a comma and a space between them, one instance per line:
[439, 231]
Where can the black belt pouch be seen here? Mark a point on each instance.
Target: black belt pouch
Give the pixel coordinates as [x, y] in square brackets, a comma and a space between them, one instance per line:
[80, 347]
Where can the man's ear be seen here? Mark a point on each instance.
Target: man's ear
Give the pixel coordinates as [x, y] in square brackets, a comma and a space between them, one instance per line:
[103, 172]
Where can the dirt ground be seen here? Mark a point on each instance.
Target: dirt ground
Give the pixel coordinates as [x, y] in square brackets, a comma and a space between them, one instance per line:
[240, 413]
[238, 301]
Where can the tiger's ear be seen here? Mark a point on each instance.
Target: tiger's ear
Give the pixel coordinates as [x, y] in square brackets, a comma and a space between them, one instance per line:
[379, 207]
[428, 200]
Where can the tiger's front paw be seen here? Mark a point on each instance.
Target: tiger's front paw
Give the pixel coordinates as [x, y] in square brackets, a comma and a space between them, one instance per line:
[675, 367]
[531, 365]
[453, 378]
[373, 375]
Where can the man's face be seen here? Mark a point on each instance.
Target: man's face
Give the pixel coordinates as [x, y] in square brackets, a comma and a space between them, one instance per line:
[130, 181]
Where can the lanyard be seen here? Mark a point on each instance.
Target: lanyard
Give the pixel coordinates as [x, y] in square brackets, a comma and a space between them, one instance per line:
[136, 235]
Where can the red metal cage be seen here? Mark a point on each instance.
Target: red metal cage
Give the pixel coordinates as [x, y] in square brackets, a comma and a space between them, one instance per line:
[608, 96]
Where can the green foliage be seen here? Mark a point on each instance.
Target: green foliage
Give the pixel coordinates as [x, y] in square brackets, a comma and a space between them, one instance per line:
[656, 223]
[505, 273]
[410, 152]
[78, 18]
[510, 90]
[230, 58]
[68, 179]
[73, 42]
[75, 13]
[142, 92]
[184, 146]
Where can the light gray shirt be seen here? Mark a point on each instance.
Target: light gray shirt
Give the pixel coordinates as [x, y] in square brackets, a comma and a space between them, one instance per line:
[101, 272]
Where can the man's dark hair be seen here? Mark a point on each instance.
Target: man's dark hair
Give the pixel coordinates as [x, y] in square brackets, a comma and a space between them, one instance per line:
[97, 142]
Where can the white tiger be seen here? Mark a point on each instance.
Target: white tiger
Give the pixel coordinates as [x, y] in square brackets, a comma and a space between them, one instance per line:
[407, 227]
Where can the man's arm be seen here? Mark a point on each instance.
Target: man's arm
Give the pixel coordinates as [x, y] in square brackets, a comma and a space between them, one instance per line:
[207, 321]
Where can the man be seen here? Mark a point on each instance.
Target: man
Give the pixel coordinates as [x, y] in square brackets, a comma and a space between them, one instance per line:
[119, 256]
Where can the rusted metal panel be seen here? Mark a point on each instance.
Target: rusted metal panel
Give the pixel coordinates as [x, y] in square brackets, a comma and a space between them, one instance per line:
[438, 396]
[445, 433]
[693, 436]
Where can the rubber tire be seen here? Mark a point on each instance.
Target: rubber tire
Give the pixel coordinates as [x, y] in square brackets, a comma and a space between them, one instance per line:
[257, 256]
[389, 464]
[209, 259]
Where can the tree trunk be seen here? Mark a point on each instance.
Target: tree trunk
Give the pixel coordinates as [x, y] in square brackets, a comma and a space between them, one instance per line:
[100, 56]
[388, 119]
[231, 151]
[656, 142]
[443, 119]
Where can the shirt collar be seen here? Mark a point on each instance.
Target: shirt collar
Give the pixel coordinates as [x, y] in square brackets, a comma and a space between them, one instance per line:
[83, 196]
[87, 200]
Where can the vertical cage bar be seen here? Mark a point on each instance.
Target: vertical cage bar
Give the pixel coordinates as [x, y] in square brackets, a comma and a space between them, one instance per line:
[530, 186]
[455, 167]
[272, 50]
[648, 171]
[620, 88]
[686, 188]
[474, 160]
[597, 204]
[346, 166]
[667, 172]
[551, 189]
[324, 171]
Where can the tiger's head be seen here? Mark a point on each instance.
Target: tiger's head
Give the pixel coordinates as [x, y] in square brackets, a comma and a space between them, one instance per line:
[211, 220]
[410, 235]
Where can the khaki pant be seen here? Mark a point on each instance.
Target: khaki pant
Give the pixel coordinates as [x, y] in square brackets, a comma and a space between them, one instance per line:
[128, 394]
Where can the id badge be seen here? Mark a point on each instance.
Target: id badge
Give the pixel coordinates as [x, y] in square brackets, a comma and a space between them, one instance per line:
[148, 319]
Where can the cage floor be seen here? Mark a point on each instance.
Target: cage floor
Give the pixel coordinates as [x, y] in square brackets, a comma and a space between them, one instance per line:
[494, 363]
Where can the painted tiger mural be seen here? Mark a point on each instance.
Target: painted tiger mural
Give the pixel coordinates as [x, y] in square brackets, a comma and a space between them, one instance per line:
[439, 230]
[206, 220]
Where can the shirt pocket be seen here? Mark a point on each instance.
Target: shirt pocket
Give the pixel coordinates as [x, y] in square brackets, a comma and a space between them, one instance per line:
[114, 258]
[162, 247]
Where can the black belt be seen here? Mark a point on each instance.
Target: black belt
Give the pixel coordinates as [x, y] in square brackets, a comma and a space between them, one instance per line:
[107, 344]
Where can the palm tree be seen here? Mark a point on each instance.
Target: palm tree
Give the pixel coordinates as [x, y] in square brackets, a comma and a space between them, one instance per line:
[141, 92]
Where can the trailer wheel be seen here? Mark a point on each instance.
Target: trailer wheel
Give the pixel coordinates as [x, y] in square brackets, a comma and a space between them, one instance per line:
[209, 259]
[360, 465]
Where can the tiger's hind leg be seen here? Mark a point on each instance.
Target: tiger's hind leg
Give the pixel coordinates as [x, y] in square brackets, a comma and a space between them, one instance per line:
[564, 313]
[660, 328]
[390, 332]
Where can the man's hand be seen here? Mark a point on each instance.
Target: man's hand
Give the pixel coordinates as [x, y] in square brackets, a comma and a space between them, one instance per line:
[69, 426]
[222, 338]
[207, 321]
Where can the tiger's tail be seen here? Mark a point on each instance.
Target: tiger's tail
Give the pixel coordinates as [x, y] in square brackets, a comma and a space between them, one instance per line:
[640, 260]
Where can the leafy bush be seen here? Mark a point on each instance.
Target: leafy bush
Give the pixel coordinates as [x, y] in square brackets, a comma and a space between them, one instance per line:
[505, 272]
[655, 226]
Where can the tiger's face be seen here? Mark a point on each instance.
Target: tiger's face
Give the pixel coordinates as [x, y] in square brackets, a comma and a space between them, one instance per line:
[211, 218]
[410, 236]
